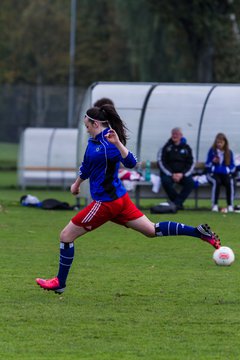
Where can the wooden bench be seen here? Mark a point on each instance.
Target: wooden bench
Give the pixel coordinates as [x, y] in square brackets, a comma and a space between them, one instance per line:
[143, 189]
[46, 176]
[64, 177]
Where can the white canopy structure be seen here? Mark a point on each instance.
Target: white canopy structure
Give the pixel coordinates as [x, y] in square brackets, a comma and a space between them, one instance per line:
[50, 157]
[47, 157]
[151, 110]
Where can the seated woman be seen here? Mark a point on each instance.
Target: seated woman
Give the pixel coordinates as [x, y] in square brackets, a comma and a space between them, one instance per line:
[220, 171]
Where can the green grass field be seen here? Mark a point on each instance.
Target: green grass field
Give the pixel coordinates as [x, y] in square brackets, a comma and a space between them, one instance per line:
[127, 297]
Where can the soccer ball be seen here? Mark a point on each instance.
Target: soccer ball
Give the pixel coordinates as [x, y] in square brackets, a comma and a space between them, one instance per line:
[224, 256]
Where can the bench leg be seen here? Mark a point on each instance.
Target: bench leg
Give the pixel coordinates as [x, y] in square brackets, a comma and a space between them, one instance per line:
[196, 198]
[137, 196]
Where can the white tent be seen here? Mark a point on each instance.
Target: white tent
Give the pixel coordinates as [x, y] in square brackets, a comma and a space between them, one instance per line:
[50, 157]
[151, 110]
[47, 157]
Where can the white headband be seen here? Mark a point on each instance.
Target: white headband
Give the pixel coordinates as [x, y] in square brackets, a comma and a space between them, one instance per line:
[104, 121]
[89, 117]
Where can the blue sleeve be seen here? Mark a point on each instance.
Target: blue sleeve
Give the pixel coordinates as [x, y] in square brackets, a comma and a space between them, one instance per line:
[219, 168]
[129, 161]
[209, 163]
[84, 172]
[232, 165]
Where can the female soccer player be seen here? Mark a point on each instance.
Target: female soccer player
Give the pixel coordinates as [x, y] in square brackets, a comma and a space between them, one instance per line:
[105, 151]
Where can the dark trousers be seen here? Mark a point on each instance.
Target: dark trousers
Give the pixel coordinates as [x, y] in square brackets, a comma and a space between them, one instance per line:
[226, 180]
[170, 187]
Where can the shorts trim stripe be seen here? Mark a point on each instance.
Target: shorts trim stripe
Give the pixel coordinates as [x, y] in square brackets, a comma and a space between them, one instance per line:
[92, 212]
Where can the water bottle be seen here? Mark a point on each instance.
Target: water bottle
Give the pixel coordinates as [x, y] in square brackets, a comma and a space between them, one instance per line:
[148, 171]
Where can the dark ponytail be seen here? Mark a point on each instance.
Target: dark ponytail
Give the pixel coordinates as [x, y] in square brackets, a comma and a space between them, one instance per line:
[107, 114]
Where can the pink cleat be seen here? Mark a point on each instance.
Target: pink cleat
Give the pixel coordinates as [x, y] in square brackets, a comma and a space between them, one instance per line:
[51, 284]
[209, 236]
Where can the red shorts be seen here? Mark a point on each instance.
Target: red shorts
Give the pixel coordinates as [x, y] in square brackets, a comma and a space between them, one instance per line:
[97, 213]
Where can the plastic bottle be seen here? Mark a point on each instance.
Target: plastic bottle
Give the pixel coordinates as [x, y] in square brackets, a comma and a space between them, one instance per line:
[148, 171]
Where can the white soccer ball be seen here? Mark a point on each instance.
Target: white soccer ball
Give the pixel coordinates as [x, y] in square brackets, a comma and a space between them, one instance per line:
[224, 256]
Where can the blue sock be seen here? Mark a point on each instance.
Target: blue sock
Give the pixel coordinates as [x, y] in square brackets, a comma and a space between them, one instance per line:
[170, 228]
[65, 261]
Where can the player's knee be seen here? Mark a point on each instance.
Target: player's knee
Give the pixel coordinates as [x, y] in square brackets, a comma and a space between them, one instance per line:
[64, 236]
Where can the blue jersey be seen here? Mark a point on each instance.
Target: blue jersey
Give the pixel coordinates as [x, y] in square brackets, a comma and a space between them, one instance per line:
[100, 165]
[221, 167]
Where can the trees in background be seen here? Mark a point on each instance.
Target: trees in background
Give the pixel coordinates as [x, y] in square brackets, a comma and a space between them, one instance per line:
[120, 40]
[207, 31]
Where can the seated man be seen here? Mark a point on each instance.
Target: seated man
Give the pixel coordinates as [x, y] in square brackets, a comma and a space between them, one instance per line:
[176, 165]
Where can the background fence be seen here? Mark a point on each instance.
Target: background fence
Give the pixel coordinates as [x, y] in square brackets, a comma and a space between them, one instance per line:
[23, 106]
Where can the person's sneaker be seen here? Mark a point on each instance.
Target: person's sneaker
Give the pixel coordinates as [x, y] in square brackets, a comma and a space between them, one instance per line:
[230, 208]
[215, 208]
[209, 236]
[51, 284]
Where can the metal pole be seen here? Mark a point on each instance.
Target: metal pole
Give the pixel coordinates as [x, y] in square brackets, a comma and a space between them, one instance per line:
[71, 63]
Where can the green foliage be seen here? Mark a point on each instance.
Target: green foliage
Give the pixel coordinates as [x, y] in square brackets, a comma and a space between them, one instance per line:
[128, 297]
[144, 40]
[207, 26]
[8, 155]
[100, 43]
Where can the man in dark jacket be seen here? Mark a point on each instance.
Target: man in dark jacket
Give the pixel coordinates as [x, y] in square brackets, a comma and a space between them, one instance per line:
[176, 165]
